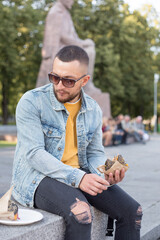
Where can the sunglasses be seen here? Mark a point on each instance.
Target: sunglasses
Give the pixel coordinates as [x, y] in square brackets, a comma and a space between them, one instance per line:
[69, 83]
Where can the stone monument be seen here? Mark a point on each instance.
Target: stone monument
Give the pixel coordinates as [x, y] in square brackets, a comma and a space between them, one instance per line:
[60, 32]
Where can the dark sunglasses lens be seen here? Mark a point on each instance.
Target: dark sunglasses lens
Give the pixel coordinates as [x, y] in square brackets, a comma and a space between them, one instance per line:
[68, 82]
[53, 78]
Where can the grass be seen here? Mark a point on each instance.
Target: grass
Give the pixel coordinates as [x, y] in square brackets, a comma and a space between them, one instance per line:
[7, 144]
[9, 124]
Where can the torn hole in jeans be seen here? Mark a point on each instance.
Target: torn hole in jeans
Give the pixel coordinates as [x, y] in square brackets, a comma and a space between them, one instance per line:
[81, 211]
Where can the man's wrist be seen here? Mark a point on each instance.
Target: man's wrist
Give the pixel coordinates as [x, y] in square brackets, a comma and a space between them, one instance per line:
[81, 180]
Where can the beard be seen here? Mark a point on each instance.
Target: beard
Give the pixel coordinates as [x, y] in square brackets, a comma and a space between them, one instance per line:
[68, 98]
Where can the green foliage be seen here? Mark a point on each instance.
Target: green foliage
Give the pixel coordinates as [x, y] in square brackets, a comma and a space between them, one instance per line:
[136, 64]
[125, 62]
[21, 33]
[7, 144]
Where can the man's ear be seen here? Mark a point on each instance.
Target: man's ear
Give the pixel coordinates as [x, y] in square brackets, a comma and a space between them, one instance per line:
[85, 80]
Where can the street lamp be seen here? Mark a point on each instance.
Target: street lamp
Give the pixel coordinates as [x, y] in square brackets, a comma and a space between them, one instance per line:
[156, 78]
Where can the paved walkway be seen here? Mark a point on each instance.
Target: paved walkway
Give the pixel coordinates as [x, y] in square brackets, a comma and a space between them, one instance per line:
[141, 181]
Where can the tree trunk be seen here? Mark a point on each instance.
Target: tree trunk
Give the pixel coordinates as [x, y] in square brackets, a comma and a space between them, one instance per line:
[4, 103]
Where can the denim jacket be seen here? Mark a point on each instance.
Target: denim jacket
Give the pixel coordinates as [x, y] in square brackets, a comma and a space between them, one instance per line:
[41, 122]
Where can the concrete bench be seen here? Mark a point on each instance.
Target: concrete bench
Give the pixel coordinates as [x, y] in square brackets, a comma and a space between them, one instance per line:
[52, 227]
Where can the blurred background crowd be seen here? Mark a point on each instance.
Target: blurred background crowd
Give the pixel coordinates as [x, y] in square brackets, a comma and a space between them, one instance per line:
[123, 130]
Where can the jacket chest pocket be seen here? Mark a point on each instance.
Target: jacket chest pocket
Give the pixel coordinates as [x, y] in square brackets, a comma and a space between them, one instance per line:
[52, 137]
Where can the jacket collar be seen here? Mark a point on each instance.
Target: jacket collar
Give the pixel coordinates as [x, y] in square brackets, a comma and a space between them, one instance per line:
[58, 106]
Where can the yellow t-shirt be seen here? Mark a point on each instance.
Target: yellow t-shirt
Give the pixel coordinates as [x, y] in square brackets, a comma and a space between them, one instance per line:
[70, 155]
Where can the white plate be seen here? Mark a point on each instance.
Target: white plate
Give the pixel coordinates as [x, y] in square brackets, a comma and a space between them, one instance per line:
[26, 216]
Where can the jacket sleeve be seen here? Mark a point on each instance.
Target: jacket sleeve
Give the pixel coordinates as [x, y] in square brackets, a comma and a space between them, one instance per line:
[95, 151]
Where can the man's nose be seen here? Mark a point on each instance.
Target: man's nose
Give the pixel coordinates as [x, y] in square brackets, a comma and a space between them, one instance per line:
[60, 85]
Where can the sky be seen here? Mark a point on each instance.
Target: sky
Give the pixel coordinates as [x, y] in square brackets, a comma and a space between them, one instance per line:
[137, 4]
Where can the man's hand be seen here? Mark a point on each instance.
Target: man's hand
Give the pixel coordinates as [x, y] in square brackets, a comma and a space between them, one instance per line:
[93, 184]
[118, 176]
[140, 132]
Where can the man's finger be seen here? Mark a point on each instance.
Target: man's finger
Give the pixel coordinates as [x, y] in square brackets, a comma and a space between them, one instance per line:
[117, 176]
[96, 190]
[101, 180]
[122, 173]
[111, 178]
[101, 186]
[91, 192]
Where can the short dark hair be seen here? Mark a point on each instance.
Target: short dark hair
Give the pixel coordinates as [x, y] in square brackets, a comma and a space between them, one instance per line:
[71, 53]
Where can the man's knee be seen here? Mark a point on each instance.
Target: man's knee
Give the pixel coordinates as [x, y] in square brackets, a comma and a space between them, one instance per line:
[81, 212]
[138, 219]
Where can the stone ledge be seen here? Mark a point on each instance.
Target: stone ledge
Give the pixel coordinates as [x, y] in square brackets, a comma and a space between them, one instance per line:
[52, 227]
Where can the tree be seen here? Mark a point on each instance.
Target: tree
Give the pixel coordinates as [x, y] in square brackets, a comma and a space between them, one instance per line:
[101, 23]
[125, 59]
[136, 64]
[8, 54]
[21, 32]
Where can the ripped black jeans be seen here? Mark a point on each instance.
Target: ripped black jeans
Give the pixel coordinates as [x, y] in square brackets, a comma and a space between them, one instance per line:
[74, 206]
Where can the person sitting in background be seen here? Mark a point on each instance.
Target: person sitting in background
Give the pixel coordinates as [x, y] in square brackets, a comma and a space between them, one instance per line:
[119, 120]
[127, 128]
[118, 130]
[107, 133]
[139, 131]
[116, 134]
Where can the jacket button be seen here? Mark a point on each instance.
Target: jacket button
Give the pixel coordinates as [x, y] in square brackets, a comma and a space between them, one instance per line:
[33, 181]
[59, 148]
[73, 184]
[50, 132]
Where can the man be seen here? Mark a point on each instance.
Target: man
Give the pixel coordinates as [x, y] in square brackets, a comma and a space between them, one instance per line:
[59, 149]
[128, 136]
[139, 131]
